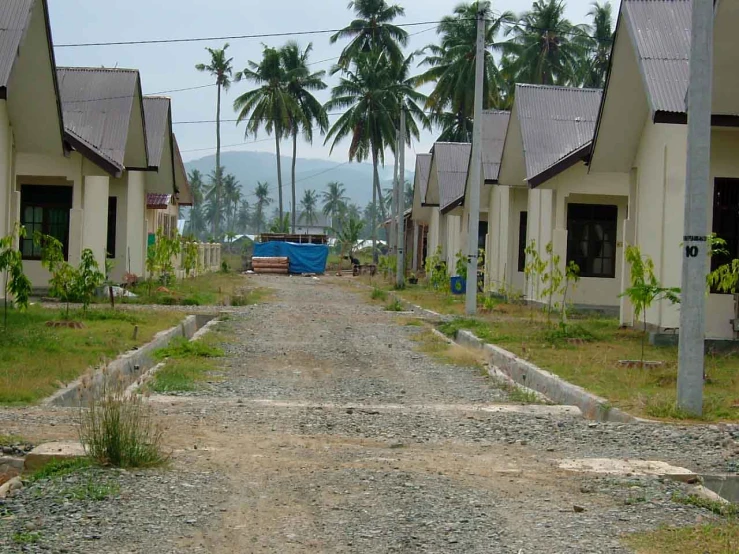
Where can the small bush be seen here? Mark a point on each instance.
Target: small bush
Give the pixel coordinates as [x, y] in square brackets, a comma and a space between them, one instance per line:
[118, 430]
[378, 294]
[394, 306]
[191, 301]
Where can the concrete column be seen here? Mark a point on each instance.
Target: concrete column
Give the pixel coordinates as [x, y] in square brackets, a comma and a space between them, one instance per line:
[77, 221]
[201, 258]
[136, 239]
[505, 239]
[95, 228]
[626, 308]
[6, 177]
[415, 246]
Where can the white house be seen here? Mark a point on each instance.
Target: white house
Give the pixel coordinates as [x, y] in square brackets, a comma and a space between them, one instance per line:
[421, 213]
[642, 135]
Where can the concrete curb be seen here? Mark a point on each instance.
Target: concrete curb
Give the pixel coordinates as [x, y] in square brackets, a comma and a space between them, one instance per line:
[551, 386]
[127, 367]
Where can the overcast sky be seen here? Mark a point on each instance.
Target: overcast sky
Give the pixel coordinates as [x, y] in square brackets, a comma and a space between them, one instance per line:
[171, 66]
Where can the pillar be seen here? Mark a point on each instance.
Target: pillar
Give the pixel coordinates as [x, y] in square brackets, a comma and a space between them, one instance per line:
[201, 258]
[415, 246]
[95, 227]
[6, 177]
[136, 239]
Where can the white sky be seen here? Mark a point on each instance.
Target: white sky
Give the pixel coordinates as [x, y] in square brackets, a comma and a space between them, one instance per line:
[171, 66]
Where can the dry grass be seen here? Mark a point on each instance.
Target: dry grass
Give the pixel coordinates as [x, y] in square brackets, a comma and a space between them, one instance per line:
[35, 359]
[715, 538]
[452, 354]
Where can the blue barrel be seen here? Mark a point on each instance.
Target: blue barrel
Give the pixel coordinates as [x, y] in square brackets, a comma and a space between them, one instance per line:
[458, 285]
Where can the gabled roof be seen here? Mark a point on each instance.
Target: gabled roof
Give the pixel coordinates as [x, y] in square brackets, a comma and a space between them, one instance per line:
[660, 32]
[15, 17]
[97, 105]
[557, 127]
[156, 113]
[452, 161]
[494, 129]
[182, 184]
[421, 176]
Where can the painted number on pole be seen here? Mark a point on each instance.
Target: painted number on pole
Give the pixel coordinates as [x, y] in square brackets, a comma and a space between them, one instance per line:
[691, 251]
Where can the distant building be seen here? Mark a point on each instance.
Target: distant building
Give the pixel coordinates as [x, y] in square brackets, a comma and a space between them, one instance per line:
[320, 224]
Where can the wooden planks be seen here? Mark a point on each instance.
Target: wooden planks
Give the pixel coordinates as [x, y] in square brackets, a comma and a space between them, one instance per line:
[274, 265]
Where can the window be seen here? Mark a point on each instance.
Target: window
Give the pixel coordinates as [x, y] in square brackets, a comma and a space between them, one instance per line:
[112, 214]
[523, 219]
[591, 239]
[482, 233]
[45, 209]
[726, 219]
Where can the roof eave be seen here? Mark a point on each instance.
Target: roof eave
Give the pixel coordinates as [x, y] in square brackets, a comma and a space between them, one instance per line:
[455, 204]
[96, 158]
[567, 162]
[54, 76]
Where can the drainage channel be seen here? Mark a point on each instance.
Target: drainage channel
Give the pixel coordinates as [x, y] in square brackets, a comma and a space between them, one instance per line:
[128, 367]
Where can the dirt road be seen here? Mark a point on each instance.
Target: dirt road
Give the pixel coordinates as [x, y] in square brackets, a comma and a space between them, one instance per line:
[326, 430]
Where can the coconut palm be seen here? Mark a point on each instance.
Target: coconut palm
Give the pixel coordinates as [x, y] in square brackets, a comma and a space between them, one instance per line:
[221, 68]
[308, 205]
[595, 64]
[301, 84]
[451, 67]
[334, 200]
[215, 207]
[269, 106]
[348, 236]
[243, 219]
[263, 200]
[371, 30]
[231, 199]
[197, 223]
[546, 48]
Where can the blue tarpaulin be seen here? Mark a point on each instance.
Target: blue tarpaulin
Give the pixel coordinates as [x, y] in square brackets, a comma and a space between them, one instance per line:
[304, 258]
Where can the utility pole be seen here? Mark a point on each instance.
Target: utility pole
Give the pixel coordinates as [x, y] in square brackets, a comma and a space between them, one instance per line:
[393, 231]
[475, 167]
[400, 234]
[695, 256]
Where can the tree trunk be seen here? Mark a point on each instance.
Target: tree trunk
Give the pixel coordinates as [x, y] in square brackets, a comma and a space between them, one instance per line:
[279, 175]
[378, 190]
[295, 153]
[218, 165]
[374, 207]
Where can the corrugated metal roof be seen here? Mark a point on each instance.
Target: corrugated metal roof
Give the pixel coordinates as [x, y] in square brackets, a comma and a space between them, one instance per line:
[184, 192]
[156, 114]
[660, 30]
[96, 105]
[555, 122]
[15, 16]
[452, 163]
[421, 177]
[494, 129]
[156, 201]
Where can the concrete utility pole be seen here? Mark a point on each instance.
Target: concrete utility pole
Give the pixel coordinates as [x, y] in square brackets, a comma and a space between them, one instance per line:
[394, 203]
[400, 234]
[695, 256]
[475, 166]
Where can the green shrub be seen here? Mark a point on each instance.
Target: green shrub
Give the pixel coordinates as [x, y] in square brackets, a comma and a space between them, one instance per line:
[394, 306]
[378, 294]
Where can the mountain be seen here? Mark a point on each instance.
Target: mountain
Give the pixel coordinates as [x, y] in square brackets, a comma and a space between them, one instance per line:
[250, 167]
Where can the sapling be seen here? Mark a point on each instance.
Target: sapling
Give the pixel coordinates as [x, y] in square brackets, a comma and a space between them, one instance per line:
[534, 268]
[572, 276]
[552, 278]
[17, 283]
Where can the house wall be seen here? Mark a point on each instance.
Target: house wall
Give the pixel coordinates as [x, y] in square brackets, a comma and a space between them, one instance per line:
[434, 231]
[454, 236]
[6, 168]
[135, 224]
[504, 209]
[575, 185]
[660, 172]
[119, 190]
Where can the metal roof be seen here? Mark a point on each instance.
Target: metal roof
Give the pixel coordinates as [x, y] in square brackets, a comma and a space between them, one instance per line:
[660, 32]
[96, 105]
[421, 178]
[15, 17]
[452, 163]
[555, 123]
[494, 129]
[182, 184]
[156, 113]
[156, 201]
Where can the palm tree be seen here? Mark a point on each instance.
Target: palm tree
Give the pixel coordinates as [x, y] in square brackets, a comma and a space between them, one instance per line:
[308, 205]
[300, 85]
[546, 48]
[263, 199]
[232, 198]
[369, 97]
[197, 223]
[452, 70]
[372, 30]
[215, 208]
[243, 219]
[269, 105]
[595, 64]
[348, 236]
[220, 67]
[334, 200]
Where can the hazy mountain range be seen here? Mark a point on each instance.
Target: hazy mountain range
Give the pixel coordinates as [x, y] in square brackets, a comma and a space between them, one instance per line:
[250, 167]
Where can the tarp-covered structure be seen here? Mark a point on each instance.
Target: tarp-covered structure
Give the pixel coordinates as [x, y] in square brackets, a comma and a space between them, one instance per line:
[304, 258]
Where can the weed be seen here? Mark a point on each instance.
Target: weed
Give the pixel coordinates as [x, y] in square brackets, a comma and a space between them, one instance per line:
[183, 348]
[119, 430]
[523, 396]
[180, 375]
[9, 440]
[59, 468]
[414, 323]
[91, 490]
[564, 332]
[378, 294]
[26, 537]
[394, 306]
[719, 508]
[633, 500]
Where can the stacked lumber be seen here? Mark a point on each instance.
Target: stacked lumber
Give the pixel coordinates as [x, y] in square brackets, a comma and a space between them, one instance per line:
[271, 265]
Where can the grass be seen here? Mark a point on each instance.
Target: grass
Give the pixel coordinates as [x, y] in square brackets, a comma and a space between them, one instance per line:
[211, 289]
[26, 537]
[60, 468]
[35, 359]
[587, 353]
[453, 354]
[10, 440]
[91, 490]
[188, 363]
[394, 306]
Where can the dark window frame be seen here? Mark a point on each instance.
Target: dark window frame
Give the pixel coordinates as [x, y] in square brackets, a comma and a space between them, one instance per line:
[583, 223]
[112, 227]
[726, 218]
[523, 221]
[49, 198]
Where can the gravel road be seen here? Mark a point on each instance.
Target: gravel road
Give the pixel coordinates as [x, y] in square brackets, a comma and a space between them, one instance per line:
[325, 429]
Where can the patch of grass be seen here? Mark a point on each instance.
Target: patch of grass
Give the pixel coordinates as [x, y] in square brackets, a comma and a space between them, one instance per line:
[719, 508]
[394, 306]
[561, 333]
[35, 360]
[26, 537]
[714, 538]
[9, 440]
[452, 354]
[522, 395]
[91, 490]
[183, 348]
[210, 289]
[60, 468]
[378, 294]
[413, 323]
[180, 375]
